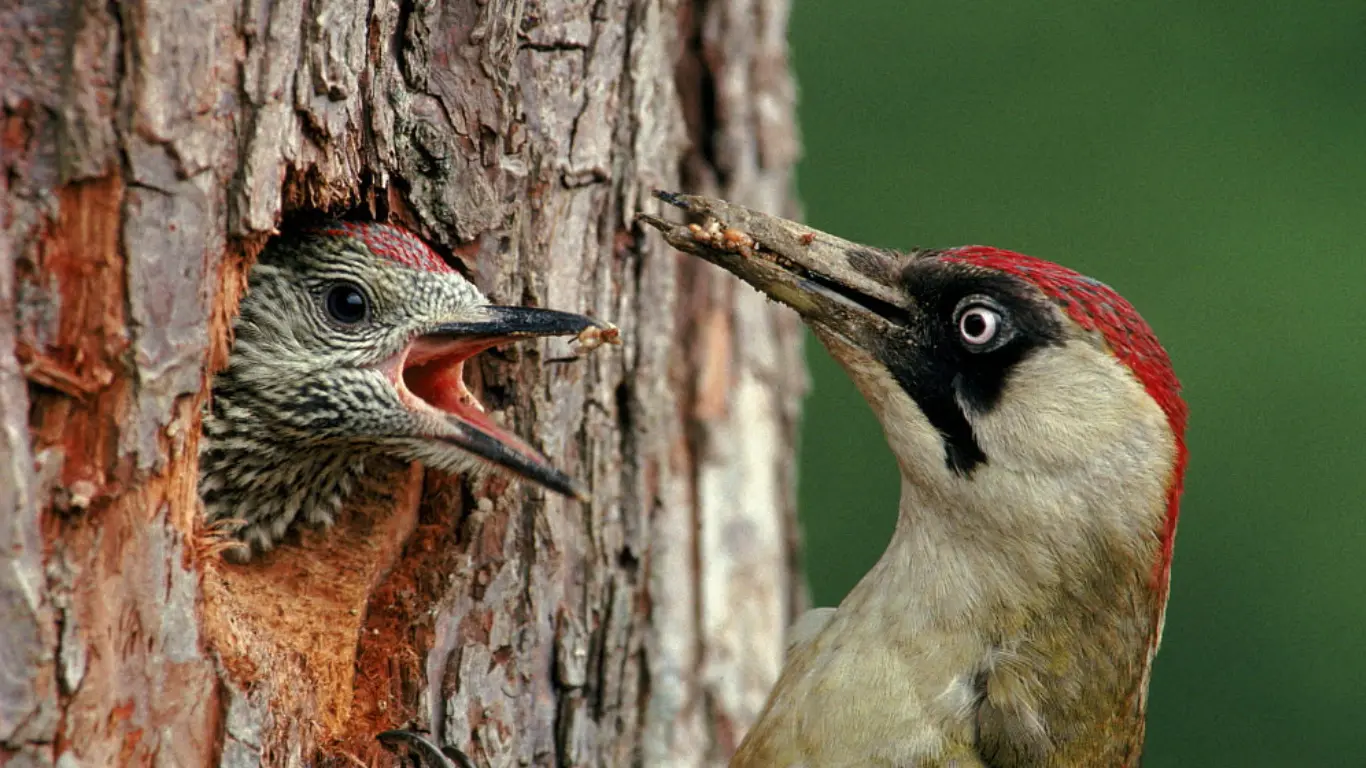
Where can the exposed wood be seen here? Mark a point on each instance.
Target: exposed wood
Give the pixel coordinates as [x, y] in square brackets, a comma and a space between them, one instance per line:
[151, 147]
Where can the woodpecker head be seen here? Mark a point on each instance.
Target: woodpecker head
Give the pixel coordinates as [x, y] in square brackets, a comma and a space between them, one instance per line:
[987, 366]
[1039, 432]
[349, 347]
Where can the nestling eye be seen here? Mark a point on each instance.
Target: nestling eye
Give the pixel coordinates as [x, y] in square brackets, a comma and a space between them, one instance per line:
[346, 304]
[979, 325]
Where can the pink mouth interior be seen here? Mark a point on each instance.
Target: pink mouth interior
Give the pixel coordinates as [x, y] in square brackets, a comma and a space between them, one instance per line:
[433, 375]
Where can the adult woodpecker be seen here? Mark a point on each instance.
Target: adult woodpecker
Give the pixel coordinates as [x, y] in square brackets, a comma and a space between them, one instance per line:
[1037, 425]
[349, 352]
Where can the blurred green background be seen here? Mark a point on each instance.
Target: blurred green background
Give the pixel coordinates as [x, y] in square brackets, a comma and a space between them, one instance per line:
[1207, 159]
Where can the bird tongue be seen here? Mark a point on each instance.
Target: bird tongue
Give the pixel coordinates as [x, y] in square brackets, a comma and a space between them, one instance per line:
[435, 372]
[429, 376]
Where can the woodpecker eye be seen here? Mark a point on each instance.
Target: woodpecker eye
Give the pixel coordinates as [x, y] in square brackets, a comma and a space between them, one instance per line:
[981, 324]
[346, 304]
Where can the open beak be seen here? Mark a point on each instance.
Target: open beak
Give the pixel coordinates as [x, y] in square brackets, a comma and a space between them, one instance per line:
[839, 287]
[429, 377]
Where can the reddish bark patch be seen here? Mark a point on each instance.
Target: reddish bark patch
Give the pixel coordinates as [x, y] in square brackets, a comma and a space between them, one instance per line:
[232, 282]
[106, 526]
[398, 632]
[81, 383]
[291, 619]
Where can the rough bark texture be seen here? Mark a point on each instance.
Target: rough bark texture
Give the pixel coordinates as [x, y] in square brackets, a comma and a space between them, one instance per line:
[149, 149]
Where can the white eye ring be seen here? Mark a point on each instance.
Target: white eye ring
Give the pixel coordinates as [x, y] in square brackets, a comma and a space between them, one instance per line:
[979, 325]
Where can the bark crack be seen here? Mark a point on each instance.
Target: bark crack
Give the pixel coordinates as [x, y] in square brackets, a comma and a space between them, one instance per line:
[553, 46]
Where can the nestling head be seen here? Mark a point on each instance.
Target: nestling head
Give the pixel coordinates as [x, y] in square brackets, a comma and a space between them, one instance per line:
[349, 349]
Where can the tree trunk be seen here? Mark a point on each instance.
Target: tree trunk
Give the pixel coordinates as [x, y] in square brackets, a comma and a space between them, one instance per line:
[150, 147]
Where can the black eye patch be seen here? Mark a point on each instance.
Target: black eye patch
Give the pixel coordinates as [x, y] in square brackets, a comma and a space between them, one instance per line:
[957, 365]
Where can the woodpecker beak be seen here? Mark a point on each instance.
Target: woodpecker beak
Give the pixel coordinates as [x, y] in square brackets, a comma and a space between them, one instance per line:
[429, 376]
[842, 289]
[499, 325]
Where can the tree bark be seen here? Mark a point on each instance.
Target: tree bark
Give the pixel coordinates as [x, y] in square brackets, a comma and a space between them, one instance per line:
[151, 147]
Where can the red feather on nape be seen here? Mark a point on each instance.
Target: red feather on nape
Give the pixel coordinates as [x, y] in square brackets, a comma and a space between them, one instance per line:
[1096, 307]
[398, 245]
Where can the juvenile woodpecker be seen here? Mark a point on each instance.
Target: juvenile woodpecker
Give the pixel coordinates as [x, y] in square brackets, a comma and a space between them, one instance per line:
[1037, 425]
[349, 352]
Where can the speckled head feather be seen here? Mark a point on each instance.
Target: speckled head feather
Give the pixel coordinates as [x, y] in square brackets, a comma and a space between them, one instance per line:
[397, 245]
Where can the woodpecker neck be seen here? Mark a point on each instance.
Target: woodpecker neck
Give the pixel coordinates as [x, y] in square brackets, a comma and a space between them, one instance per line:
[266, 460]
[1055, 649]
[973, 647]
[1038, 566]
